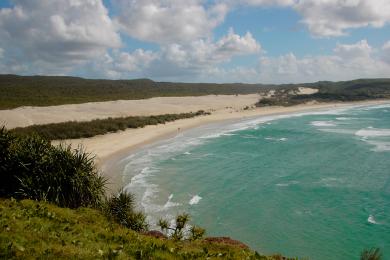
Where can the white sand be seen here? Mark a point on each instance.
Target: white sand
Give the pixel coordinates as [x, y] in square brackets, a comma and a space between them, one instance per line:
[307, 91]
[110, 147]
[25, 116]
[112, 144]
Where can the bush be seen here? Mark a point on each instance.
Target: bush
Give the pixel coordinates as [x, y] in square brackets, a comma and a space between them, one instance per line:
[120, 209]
[179, 230]
[371, 254]
[30, 167]
[74, 129]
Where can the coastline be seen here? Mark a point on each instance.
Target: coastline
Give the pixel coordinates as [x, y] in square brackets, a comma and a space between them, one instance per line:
[111, 148]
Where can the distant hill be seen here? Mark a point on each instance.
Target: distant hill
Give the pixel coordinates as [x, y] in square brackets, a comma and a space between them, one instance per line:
[18, 91]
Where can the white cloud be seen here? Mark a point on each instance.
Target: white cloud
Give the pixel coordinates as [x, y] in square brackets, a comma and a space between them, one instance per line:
[121, 64]
[329, 18]
[176, 61]
[56, 35]
[386, 52]
[347, 62]
[266, 2]
[326, 18]
[202, 54]
[358, 50]
[169, 21]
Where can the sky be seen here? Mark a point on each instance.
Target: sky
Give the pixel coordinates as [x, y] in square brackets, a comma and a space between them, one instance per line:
[249, 41]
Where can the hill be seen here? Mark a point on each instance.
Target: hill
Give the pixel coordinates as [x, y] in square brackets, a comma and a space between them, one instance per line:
[40, 230]
[18, 91]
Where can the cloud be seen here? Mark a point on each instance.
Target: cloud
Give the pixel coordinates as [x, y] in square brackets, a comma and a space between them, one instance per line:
[358, 50]
[175, 61]
[192, 59]
[169, 21]
[348, 61]
[328, 18]
[266, 2]
[52, 36]
[386, 52]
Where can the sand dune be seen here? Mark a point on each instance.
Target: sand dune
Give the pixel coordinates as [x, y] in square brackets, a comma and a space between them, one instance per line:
[25, 116]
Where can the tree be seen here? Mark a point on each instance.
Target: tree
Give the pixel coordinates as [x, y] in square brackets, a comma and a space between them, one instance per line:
[371, 254]
[178, 230]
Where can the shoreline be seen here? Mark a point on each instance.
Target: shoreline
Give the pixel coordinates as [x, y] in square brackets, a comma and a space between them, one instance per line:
[111, 148]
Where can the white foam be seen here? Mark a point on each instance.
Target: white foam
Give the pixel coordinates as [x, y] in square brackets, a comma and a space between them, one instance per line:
[379, 146]
[187, 153]
[283, 139]
[287, 184]
[170, 204]
[323, 123]
[195, 200]
[373, 132]
[344, 118]
[338, 131]
[371, 220]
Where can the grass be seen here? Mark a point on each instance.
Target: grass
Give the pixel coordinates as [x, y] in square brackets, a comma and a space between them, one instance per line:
[73, 129]
[31, 230]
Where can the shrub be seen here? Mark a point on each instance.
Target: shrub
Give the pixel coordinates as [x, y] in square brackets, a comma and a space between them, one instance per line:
[120, 209]
[75, 129]
[371, 254]
[178, 230]
[30, 167]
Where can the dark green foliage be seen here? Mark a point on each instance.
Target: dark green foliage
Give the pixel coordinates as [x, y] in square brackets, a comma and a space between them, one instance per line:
[197, 232]
[371, 254]
[18, 91]
[178, 230]
[121, 209]
[73, 130]
[30, 167]
[355, 90]
[264, 102]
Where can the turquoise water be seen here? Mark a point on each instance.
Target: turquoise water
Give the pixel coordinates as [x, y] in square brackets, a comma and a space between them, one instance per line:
[309, 185]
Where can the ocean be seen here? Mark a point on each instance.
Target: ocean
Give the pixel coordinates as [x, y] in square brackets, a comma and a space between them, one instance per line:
[313, 184]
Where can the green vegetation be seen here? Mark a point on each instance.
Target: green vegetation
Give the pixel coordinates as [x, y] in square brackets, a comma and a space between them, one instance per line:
[178, 232]
[16, 91]
[120, 208]
[87, 226]
[371, 254]
[70, 130]
[30, 167]
[31, 230]
[356, 90]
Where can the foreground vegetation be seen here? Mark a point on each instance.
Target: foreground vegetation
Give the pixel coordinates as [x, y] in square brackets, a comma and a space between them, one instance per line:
[74, 129]
[68, 215]
[30, 167]
[60, 212]
[31, 230]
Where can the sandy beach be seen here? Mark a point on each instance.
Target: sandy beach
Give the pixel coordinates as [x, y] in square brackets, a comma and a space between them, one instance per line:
[111, 148]
[25, 116]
